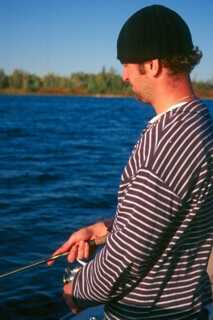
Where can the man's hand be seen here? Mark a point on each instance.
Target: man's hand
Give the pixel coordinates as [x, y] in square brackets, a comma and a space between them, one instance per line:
[68, 296]
[77, 244]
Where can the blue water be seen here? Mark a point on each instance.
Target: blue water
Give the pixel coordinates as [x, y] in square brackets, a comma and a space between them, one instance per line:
[60, 164]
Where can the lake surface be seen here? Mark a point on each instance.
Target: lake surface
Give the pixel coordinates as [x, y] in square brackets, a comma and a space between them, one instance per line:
[60, 164]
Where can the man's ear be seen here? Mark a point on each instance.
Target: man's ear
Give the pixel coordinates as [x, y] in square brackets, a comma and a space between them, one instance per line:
[153, 67]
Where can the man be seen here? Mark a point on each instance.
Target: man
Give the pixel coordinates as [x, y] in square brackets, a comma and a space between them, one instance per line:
[153, 265]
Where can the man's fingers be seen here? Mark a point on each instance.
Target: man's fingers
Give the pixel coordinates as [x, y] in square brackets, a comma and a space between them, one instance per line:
[73, 239]
[86, 250]
[81, 250]
[71, 305]
[59, 251]
[68, 296]
[73, 254]
[77, 248]
[64, 248]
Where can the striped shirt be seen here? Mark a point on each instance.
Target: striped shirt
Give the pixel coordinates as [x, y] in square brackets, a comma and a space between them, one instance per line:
[154, 263]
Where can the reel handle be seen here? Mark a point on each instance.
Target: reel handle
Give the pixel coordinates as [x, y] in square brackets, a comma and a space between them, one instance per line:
[96, 242]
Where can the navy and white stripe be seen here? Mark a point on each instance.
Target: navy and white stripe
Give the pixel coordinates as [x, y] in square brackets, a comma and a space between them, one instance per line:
[153, 265]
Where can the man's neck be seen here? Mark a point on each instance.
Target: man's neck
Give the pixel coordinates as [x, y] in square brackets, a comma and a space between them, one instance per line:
[173, 92]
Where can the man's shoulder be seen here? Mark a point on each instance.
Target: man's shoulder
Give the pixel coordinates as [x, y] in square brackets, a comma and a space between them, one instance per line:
[179, 124]
[184, 144]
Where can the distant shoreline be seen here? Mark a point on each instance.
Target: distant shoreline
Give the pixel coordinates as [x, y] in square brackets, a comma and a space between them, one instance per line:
[17, 92]
[62, 94]
[66, 94]
[107, 83]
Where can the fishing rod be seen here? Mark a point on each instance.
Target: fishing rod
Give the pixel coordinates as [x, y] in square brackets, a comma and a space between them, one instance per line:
[92, 245]
[32, 265]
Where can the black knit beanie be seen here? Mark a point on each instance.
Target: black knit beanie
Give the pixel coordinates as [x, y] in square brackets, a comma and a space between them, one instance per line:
[153, 32]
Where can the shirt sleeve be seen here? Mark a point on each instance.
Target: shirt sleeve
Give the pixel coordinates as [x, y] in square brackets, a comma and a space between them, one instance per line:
[146, 219]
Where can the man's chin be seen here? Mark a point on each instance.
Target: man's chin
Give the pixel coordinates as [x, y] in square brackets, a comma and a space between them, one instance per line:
[140, 97]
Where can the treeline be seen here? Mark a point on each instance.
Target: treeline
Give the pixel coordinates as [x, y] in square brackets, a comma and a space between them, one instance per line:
[106, 82]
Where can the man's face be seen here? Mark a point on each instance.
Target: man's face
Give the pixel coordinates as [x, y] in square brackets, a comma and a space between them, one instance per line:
[136, 76]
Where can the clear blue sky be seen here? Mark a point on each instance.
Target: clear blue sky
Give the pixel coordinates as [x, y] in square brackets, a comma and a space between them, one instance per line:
[65, 36]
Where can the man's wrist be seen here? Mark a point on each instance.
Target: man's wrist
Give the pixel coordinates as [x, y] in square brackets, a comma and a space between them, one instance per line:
[99, 229]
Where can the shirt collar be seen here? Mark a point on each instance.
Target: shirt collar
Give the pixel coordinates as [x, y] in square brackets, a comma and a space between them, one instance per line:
[174, 106]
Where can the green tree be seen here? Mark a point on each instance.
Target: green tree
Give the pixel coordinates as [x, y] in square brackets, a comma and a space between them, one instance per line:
[50, 81]
[17, 78]
[31, 82]
[3, 79]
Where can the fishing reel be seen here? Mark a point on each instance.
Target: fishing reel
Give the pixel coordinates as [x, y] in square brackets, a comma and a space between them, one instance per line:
[68, 276]
[70, 272]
